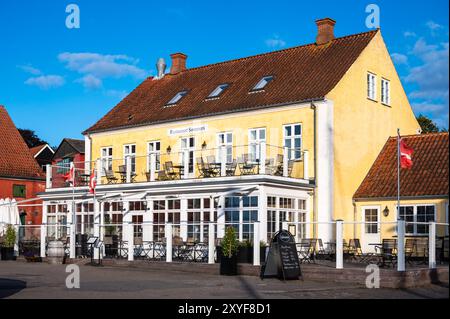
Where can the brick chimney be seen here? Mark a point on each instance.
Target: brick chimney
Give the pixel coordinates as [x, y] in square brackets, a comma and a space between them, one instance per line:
[178, 63]
[325, 30]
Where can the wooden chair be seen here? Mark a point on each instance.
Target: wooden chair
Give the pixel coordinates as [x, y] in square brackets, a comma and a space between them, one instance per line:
[387, 252]
[422, 249]
[410, 249]
[110, 178]
[162, 176]
[231, 168]
[170, 172]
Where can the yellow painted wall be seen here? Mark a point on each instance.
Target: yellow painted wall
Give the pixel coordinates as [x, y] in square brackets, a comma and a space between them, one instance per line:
[387, 230]
[362, 126]
[238, 124]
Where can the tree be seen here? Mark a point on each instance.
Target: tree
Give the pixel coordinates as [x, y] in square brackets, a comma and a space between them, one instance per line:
[30, 137]
[427, 125]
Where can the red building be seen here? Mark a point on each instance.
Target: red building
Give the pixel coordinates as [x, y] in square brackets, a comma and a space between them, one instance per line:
[20, 175]
[70, 150]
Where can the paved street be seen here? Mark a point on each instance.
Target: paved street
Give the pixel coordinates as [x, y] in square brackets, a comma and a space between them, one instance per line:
[41, 280]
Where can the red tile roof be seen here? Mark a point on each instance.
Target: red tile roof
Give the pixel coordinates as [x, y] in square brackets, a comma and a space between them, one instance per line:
[16, 159]
[300, 73]
[36, 149]
[427, 177]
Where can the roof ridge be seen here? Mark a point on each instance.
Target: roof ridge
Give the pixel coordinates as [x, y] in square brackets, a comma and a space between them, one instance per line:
[272, 52]
[420, 135]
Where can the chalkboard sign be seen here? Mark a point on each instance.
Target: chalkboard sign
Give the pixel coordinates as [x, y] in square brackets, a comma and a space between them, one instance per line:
[282, 259]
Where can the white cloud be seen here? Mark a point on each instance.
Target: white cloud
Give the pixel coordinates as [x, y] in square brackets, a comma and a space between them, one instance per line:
[275, 42]
[399, 58]
[432, 75]
[102, 66]
[30, 69]
[433, 25]
[408, 34]
[46, 82]
[90, 82]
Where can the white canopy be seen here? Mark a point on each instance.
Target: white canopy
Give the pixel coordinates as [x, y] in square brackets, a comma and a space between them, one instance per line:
[9, 214]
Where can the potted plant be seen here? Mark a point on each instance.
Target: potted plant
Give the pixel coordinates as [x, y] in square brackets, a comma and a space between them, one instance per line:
[9, 241]
[245, 251]
[229, 248]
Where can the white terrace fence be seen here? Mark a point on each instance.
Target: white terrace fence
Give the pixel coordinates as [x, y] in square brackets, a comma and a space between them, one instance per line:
[398, 244]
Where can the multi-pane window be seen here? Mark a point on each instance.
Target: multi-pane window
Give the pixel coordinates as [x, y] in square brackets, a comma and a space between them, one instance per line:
[371, 221]
[249, 216]
[225, 140]
[63, 166]
[106, 159]
[129, 152]
[19, 191]
[414, 216]
[188, 144]
[165, 211]
[371, 86]
[155, 148]
[232, 213]
[293, 140]
[256, 136]
[137, 225]
[385, 92]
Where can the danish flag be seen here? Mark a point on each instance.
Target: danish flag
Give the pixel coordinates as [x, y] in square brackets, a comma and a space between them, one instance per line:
[405, 155]
[93, 181]
[70, 176]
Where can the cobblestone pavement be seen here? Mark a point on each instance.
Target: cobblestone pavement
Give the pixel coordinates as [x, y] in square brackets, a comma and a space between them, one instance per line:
[41, 280]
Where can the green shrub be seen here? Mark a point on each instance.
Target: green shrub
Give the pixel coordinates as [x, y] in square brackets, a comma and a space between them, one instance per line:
[229, 242]
[10, 237]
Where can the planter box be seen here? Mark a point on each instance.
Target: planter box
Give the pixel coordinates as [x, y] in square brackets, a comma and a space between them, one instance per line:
[228, 266]
[7, 253]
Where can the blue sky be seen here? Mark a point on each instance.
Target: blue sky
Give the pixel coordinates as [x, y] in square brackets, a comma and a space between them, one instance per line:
[59, 81]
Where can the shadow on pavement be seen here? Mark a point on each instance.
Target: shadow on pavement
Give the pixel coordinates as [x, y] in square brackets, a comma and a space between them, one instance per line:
[9, 287]
[248, 287]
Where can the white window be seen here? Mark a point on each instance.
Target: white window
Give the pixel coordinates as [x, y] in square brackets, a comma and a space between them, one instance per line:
[385, 92]
[106, 159]
[262, 83]
[129, 151]
[177, 98]
[255, 137]
[226, 140]
[155, 148]
[413, 214]
[188, 144]
[293, 140]
[371, 86]
[218, 90]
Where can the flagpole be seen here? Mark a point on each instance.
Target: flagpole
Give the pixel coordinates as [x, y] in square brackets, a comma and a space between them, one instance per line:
[398, 173]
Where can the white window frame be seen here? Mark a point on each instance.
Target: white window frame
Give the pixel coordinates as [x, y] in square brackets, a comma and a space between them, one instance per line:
[254, 144]
[218, 91]
[292, 150]
[261, 85]
[228, 146]
[177, 98]
[157, 155]
[131, 155]
[385, 91]
[106, 159]
[191, 150]
[371, 86]
[415, 233]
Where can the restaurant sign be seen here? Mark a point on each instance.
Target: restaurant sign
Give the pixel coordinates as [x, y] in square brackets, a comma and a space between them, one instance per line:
[188, 130]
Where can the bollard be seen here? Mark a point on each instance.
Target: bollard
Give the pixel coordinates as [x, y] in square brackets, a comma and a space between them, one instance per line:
[432, 245]
[339, 244]
[169, 242]
[72, 240]
[130, 241]
[256, 250]
[401, 245]
[211, 243]
[43, 236]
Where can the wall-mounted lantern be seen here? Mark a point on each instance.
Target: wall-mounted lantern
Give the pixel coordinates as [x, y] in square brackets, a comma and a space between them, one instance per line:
[204, 145]
[386, 212]
[168, 149]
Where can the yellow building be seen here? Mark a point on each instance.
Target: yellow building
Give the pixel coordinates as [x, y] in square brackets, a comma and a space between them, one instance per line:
[285, 136]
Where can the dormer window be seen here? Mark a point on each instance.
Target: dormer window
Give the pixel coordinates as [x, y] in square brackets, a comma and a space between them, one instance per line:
[218, 91]
[262, 83]
[177, 98]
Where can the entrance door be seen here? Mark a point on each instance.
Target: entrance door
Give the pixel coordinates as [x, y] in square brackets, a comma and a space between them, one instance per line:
[370, 228]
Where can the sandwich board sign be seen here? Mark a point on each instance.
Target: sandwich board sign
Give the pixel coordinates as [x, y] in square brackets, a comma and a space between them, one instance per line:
[282, 258]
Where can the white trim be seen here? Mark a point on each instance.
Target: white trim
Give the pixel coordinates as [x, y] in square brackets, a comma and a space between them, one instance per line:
[292, 138]
[415, 233]
[43, 148]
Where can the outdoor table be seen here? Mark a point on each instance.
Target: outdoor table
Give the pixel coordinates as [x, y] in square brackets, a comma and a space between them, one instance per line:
[383, 259]
[248, 167]
[215, 168]
[180, 169]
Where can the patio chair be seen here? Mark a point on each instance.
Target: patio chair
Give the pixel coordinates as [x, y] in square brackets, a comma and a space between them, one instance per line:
[231, 168]
[270, 166]
[321, 252]
[387, 252]
[304, 250]
[201, 167]
[162, 176]
[410, 248]
[122, 249]
[170, 172]
[201, 252]
[357, 252]
[422, 250]
[290, 167]
[110, 178]
[211, 159]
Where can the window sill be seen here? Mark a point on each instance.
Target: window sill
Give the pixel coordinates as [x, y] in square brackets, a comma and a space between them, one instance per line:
[256, 91]
[385, 104]
[370, 99]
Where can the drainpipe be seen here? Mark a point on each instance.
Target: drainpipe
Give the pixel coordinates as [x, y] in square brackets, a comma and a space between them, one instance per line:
[314, 108]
